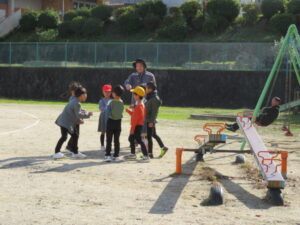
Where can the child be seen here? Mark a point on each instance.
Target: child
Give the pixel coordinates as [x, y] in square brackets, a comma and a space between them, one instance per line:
[103, 103]
[137, 121]
[68, 119]
[152, 104]
[114, 115]
[265, 118]
[72, 88]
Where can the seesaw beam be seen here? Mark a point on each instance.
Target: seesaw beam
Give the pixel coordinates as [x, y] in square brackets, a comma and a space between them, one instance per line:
[268, 167]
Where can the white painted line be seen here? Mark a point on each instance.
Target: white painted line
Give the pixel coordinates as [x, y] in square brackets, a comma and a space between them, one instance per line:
[24, 128]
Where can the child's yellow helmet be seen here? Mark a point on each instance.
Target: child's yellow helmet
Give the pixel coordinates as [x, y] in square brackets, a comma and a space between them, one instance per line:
[139, 91]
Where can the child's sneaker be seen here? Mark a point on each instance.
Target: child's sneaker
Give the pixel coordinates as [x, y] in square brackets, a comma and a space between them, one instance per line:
[107, 158]
[151, 156]
[115, 159]
[102, 148]
[58, 155]
[145, 159]
[163, 151]
[68, 149]
[130, 157]
[79, 155]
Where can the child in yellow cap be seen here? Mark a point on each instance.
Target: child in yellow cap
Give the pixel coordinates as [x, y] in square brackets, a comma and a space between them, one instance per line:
[137, 121]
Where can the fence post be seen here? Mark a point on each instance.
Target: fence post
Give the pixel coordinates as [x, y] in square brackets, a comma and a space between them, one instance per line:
[66, 54]
[125, 53]
[10, 53]
[95, 54]
[37, 52]
[157, 54]
[190, 55]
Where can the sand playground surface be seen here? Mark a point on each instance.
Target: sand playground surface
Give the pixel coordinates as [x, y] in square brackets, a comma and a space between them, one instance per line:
[38, 190]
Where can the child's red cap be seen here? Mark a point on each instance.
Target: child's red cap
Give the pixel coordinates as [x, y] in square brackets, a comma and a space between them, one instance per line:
[107, 87]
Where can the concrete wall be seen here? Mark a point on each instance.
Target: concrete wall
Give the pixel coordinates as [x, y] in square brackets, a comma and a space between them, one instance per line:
[219, 89]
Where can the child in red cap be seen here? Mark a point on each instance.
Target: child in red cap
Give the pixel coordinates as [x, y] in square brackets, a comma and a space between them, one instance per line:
[103, 103]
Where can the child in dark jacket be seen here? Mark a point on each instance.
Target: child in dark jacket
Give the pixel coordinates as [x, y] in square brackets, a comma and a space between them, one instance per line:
[265, 118]
[137, 121]
[152, 104]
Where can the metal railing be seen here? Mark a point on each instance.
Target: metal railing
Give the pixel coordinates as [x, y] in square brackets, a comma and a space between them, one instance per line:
[194, 56]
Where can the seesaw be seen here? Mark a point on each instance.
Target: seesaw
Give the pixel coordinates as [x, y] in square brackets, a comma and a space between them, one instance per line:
[265, 159]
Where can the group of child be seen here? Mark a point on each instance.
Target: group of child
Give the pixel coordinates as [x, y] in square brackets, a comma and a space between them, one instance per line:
[143, 119]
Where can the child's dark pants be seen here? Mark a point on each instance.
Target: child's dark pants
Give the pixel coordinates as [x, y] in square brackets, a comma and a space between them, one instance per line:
[113, 131]
[69, 145]
[151, 132]
[138, 138]
[63, 138]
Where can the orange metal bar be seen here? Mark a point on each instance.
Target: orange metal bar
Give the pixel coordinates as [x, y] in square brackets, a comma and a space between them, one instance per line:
[178, 160]
[198, 138]
[207, 127]
[284, 156]
[283, 160]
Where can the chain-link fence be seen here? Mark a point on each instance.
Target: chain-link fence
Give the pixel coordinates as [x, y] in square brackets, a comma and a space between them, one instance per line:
[194, 56]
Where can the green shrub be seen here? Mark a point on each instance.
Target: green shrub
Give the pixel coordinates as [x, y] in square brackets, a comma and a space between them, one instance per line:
[102, 12]
[29, 21]
[154, 7]
[197, 22]
[176, 16]
[215, 25]
[271, 7]
[69, 15]
[84, 12]
[77, 25]
[174, 27]
[293, 6]
[47, 35]
[129, 21]
[48, 19]
[119, 11]
[281, 22]
[174, 32]
[228, 9]
[190, 9]
[92, 27]
[175, 10]
[251, 12]
[65, 29]
[151, 22]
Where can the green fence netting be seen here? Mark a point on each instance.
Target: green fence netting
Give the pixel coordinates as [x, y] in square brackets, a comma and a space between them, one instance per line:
[196, 56]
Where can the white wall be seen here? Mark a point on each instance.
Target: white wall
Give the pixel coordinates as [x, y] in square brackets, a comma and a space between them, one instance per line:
[29, 4]
[10, 23]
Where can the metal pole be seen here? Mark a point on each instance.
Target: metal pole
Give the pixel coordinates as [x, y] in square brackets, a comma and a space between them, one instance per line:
[36, 51]
[66, 54]
[95, 54]
[125, 54]
[157, 54]
[10, 53]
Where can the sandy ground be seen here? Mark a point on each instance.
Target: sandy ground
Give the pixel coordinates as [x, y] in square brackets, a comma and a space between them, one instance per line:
[38, 190]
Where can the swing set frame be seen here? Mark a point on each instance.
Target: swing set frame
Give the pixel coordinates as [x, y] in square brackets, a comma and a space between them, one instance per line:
[290, 46]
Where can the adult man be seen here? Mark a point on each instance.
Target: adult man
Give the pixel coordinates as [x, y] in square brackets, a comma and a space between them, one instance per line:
[265, 118]
[140, 77]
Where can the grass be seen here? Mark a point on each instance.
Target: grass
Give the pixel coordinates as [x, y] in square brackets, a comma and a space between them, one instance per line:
[172, 113]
